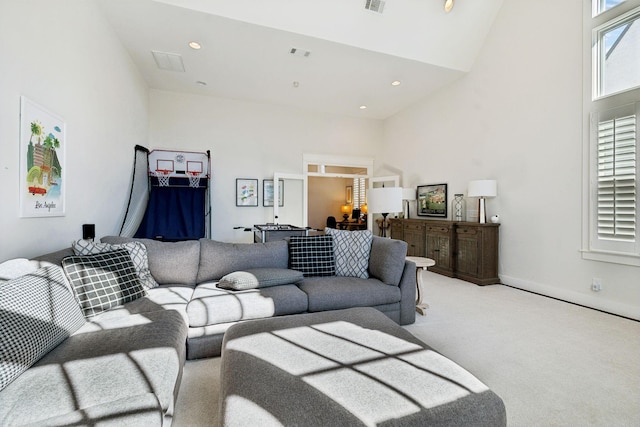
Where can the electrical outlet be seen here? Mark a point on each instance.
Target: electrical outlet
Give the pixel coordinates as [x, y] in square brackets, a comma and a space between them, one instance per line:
[596, 284]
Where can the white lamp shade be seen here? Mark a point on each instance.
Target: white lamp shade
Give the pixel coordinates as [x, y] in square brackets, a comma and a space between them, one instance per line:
[384, 200]
[408, 194]
[483, 188]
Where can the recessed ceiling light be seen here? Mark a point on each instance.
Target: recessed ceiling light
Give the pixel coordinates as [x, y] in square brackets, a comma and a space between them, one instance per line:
[395, 83]
[363, 107]
[201, 83]
[194, 45]
[448, 5]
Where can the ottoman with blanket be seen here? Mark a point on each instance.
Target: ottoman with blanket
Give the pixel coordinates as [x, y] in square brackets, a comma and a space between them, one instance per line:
[350, 367]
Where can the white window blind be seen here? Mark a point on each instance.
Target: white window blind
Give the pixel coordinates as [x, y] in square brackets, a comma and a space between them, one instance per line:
[617, 186]
[359, 192]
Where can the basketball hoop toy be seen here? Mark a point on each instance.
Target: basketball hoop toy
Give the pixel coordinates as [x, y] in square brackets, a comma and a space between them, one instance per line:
[194, 179]
[163, 177]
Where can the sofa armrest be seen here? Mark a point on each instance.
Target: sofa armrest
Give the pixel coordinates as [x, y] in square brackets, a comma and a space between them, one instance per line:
[408, 294]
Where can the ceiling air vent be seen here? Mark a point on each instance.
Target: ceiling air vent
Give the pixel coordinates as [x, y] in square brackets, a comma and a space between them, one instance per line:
[299, 52]
[168, 61]
[374, 5]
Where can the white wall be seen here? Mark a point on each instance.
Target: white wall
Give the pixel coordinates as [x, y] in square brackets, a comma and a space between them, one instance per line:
[249, 140]
[64, 56]
[517, 118]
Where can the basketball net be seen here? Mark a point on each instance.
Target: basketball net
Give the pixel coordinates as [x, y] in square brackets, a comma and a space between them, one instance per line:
[163, 177]
[194, 179]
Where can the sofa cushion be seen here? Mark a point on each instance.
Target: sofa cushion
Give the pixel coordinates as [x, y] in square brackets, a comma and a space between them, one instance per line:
[312, 255]
[170, 263]
[345, 292]
[137, 251]
[255, 278]
[218, 259]
[351, 250]
[386, 262]
[101, 363]
[103, 281]
[211, 305]
[37, 312]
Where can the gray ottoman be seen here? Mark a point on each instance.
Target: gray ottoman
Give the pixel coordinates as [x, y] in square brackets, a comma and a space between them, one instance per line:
[349, 367]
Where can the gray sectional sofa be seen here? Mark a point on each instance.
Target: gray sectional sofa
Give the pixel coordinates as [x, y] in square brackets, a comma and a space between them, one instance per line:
[123, 366]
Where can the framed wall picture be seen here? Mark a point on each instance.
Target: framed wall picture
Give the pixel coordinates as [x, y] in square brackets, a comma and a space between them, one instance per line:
[348, 194]
[432, 200]
[267, 192]
[246, 192]
[42, 161]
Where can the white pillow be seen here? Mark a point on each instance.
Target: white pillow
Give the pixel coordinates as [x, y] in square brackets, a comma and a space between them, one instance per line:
[137, 251]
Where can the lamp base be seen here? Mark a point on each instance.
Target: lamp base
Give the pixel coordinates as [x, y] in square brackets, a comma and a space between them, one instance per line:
[345, 216]
[482, 212]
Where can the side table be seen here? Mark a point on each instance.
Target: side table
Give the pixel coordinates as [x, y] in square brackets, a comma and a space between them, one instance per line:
[421, 264]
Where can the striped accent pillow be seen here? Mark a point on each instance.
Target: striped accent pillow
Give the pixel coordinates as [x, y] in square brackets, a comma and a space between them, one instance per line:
[312, 255]
[103, 281]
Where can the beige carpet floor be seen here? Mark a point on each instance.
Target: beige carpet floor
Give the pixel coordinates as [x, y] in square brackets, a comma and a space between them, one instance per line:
[553, 363]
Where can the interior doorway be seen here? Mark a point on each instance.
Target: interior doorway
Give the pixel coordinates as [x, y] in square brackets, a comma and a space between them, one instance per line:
[335, 187]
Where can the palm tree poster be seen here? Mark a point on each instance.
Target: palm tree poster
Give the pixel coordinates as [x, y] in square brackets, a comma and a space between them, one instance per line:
[42, 146]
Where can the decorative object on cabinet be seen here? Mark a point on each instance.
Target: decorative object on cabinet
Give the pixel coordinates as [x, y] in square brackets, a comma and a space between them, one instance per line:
[432, 200]
[466, 250]
[482, 189]
[495, 219]
[408, 195]
[246, 192]
[459, 207]
[384, 200]
[346, 210]
[267, 192]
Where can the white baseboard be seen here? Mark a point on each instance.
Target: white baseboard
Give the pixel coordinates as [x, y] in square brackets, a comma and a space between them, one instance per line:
[586, 300]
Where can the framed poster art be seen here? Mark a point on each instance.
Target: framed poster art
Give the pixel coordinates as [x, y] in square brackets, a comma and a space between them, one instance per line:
[432, 200]
[267, 192]
[348, 194]
[246, 192]
[42, 161]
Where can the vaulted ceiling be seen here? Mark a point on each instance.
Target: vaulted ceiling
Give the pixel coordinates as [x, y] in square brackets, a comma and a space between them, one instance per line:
[354, 54]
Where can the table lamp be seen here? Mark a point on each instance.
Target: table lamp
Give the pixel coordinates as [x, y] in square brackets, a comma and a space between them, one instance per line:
[384, 200]
[346, 210]
[482, 189]
[408, 194]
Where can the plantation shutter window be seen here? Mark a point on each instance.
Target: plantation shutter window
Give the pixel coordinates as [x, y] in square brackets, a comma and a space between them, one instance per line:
[617, 186]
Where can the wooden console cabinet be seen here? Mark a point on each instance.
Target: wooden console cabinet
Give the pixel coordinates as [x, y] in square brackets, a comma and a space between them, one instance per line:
[466, 250]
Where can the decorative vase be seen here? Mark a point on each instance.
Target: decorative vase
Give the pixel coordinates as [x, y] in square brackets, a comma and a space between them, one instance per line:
[459, 207]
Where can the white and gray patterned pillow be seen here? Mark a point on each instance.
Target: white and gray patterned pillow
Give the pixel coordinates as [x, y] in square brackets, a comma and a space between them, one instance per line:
[137, 251]
[254, 278]
[37, 312]
[312, 255]
[103, 281]
[352, 250]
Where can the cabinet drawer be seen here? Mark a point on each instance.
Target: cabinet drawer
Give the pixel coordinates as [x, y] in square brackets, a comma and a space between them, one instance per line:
[414, 227]
[440, 229]
[467, 231]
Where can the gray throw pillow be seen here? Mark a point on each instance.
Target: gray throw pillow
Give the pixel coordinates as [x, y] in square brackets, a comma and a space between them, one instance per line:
[137, 251]
[37, 312]
[259, 278]
[351, 250]
[103, 281]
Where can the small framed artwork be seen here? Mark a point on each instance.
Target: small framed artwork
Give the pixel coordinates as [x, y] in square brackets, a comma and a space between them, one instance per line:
[246, 192]
[348, 195]
[432, 200]
[267, 192]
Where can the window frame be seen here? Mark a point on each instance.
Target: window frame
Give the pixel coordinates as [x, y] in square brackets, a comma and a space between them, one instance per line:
[595, 105]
